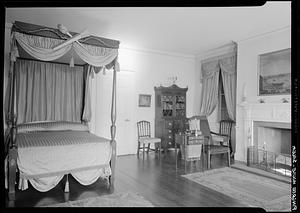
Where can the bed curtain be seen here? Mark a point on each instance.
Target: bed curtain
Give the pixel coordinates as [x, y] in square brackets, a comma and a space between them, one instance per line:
[41, 48]
[49, 91]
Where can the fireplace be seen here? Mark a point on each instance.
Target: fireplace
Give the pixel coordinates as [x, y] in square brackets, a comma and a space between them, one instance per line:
[271, 148]
[272, 136]
[267, 130]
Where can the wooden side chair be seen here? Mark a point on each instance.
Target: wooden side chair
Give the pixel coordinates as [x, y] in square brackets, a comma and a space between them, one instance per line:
[216, 143]
[144, 137]
[224, 130]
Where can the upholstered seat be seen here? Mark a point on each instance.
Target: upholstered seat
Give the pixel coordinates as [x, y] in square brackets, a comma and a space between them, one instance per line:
[224, 131]
[149, 140]
[220, 139]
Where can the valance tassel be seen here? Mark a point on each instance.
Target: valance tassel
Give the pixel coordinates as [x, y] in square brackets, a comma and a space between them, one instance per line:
[104, 71]
[72, 62]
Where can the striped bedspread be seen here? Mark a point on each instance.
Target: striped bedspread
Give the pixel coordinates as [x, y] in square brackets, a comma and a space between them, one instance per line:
[56, 138]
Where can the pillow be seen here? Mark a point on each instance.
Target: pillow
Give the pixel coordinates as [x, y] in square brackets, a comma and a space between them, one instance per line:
[51, 126]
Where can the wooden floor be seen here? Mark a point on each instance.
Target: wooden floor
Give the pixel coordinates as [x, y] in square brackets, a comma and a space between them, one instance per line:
[156, 179]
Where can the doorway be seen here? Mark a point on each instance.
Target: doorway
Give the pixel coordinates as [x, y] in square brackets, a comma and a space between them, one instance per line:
[125, 129]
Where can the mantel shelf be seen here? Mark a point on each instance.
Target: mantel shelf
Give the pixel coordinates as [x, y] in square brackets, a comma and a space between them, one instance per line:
[253, 104]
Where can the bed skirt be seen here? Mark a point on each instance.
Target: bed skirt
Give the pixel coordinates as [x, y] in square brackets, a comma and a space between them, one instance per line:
[43, 183]
[85, 177]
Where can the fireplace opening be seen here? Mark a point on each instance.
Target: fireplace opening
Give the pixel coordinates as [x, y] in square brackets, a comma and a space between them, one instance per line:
[271, 148]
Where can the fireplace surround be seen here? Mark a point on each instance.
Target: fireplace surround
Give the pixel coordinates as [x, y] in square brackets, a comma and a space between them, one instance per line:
[267, 135]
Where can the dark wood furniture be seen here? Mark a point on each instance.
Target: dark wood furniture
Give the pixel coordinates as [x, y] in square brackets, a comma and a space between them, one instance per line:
[170, 113]
[225, 130]
[144, 137]
[214, 144]
[191, 147]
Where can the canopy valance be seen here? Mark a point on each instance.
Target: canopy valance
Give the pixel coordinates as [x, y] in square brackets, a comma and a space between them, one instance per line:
[40, 42]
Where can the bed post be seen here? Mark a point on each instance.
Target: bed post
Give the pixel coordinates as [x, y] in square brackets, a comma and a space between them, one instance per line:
[113, 131]
[12, 152]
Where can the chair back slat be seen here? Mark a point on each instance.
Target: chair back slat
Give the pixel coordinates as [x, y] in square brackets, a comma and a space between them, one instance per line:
[225, 127]
[144, 129]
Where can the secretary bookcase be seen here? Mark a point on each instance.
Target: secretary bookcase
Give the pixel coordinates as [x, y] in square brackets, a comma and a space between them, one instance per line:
[170, 113]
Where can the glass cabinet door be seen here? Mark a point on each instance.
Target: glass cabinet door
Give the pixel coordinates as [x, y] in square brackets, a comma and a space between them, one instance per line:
[180, 105]
[167, 105]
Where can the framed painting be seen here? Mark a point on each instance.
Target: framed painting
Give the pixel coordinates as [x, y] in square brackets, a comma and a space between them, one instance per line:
[144, 100]
[274, 73]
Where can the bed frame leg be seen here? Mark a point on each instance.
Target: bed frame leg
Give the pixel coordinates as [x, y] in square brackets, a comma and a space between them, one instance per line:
[12, 169]
[112, 165]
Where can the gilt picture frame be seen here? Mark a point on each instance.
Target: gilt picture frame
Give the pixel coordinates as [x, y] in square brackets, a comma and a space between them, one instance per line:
[144, 100]
[274, 73]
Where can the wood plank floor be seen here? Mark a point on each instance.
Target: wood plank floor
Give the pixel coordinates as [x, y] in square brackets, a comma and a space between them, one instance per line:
[156, 179]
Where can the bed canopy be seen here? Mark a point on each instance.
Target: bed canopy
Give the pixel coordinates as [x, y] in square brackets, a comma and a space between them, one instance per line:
[41, 43]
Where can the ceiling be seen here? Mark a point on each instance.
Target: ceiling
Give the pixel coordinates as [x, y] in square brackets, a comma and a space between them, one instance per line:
[180, 30]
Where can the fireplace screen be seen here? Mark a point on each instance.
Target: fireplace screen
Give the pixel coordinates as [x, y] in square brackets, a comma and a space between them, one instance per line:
[269, 161]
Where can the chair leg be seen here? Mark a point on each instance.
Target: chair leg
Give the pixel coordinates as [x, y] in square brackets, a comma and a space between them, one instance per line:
[143, 150]
[138, 149]
[159, 149]
[228, 153]
[148, 148]
[208, 160]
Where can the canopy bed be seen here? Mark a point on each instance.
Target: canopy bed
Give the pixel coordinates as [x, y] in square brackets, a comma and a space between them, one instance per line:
[48, 108]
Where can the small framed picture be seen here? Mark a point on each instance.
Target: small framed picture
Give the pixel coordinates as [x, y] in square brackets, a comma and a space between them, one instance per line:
[144, 100]
[275, 73]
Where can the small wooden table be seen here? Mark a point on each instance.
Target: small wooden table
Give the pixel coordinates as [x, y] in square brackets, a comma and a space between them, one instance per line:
[190, 145]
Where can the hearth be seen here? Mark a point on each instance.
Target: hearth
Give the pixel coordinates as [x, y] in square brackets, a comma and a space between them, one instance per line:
[269, 161]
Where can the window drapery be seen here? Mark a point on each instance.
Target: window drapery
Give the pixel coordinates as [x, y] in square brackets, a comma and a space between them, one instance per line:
[211, 68]
[228, 71]
[210, 72]
[48, 91]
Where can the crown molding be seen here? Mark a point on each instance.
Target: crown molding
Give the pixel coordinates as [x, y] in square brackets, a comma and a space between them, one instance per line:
[153, 51]
[224, 48]
[286, 28]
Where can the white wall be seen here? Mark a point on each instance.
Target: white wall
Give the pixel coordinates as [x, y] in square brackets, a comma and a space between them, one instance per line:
[152, 69]
[247, 69]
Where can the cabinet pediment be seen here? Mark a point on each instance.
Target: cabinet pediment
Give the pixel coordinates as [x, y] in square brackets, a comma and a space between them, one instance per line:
[172, 87]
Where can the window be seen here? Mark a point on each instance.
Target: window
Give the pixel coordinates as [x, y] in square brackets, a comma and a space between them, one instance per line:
[223, 113]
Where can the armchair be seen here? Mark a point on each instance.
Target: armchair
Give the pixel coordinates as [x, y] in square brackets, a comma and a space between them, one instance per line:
[214, 143]
[224, 131]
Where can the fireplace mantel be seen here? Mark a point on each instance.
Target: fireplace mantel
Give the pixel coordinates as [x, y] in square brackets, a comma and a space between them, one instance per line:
[266, 112]
[277, 112]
